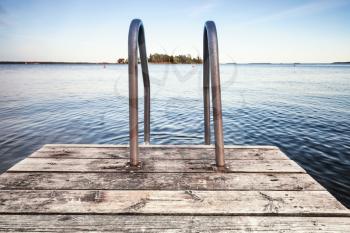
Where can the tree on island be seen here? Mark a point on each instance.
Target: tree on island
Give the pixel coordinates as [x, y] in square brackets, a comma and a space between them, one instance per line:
[122, 61]
[178, 59]
[168, 59]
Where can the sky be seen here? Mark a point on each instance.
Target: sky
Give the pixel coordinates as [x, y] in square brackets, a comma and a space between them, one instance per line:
[248, 30]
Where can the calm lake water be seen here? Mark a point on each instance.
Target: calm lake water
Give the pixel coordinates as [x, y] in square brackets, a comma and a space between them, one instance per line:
[303, 109]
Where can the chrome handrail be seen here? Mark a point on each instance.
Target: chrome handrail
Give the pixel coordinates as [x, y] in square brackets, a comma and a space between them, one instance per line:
[137, 38]
[211, 68]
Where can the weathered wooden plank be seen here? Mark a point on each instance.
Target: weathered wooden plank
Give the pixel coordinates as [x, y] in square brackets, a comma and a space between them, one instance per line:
[170, 224]
[308, 203]
[193, 146]
[157, 153]
[159, 181]
[120, 165]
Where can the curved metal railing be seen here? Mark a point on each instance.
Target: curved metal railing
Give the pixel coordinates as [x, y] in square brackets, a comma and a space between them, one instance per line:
[211, 69]
[210, 72]
[137, 38]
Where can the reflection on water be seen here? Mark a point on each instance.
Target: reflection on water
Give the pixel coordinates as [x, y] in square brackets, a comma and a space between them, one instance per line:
[305, 110]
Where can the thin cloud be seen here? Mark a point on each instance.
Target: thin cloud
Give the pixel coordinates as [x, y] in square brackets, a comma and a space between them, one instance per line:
[2, 14]
[202, 9]
[2, 10]
[302, 10]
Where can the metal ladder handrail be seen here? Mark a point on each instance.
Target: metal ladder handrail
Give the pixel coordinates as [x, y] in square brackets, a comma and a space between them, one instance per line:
[137, 38]
[211, 68]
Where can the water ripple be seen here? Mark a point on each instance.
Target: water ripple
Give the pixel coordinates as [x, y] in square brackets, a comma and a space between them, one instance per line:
[303, 110]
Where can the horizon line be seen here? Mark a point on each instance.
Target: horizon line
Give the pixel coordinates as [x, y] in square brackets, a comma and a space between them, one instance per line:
[102, 62]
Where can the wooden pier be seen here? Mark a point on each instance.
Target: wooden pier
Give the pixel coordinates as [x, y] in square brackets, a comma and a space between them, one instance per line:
[79, 188]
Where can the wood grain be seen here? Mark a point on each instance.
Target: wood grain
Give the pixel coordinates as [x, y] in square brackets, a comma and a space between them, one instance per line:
[305, 203]
[157, 153]
[120, 165]
[161, 181]
[91, 188]
[171, 224]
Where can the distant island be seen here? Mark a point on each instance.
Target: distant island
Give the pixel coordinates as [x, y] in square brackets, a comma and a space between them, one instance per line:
[178, 59]
[168, 59]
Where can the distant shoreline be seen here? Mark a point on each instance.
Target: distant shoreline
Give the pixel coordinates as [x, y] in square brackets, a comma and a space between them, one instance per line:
[110, 63]
[296, 63]
[55, 63]
[76, 63]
